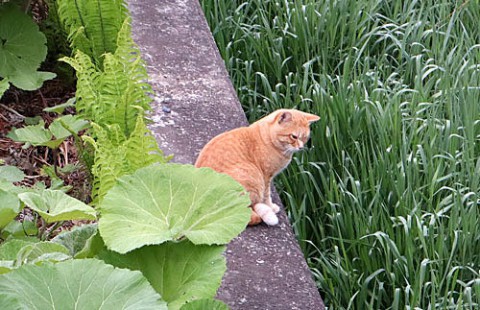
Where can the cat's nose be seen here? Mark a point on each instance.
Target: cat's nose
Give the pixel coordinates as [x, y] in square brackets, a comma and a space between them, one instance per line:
[300, 145]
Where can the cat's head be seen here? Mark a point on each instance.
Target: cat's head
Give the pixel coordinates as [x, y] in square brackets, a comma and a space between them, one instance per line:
[290, 129]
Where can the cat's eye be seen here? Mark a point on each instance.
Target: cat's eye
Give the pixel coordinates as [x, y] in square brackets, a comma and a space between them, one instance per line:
[294, 137]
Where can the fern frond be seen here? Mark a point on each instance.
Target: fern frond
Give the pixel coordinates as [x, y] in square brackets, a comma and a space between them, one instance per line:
[92, 25]
[88, 93]
[116, 95]
[109, 160]
[142, 148]
[129, 55]
[116, 155]
[117, 88]
[112, 92]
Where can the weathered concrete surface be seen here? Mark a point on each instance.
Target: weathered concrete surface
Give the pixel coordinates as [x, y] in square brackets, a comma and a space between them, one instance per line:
[189, 79]
[195, 101]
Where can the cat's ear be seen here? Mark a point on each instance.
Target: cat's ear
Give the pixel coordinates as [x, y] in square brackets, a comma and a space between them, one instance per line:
[311, 118]
[284, 117]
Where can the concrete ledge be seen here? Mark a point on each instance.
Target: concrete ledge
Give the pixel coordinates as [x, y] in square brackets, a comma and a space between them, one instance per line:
[194, 102]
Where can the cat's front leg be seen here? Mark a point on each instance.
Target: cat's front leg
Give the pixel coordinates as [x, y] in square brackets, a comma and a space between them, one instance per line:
[275, 207]
[261, 211]
[268, 197]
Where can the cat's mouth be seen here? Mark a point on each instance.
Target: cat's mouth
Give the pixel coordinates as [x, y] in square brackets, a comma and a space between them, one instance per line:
[293, 149]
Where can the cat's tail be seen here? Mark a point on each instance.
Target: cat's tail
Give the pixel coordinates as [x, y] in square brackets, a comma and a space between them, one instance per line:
[266, 213]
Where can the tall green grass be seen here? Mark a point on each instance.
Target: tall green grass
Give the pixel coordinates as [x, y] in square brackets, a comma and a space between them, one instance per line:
[385, 203]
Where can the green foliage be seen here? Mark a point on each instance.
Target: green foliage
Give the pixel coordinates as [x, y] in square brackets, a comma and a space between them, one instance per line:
[40, 252]
[56, 34]
[76, 284]
[9, 202]
[113, 95]
[64, 126]
[51, 205]
[9, 207]
[180, 272]
[34, 135]
[22, 50]
[80, 241]
[55, 205]
[60, 108]
[61, 128]
[118, 93]
[17, 252]
[9, 253]
[11, 174]
[21, 230]
[111, 89]
[92, 26]
[57, 132]
[116, 155]
[205, 304]
[385, 201]
[173, 202]
[4, 85]
[202, 202]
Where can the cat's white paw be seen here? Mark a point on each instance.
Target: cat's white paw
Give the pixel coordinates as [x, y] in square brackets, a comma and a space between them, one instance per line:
[266, 213]
[275, 207]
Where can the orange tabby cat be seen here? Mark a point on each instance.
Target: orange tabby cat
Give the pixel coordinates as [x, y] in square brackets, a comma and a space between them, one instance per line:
[254, 155]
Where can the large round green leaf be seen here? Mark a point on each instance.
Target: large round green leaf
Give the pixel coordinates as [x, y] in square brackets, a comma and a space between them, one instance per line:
[171, 202]
[24, 229]
[60, 128]
[9, 252]
[4, 85]
[76, 284]
[54, 205]
[16, 252]
[9, 249]
[22, 49]
[63, 126]
[80, 241]
[35, 134]
[180, 272]
[41, 252]
[11, 173]
[9, 207]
